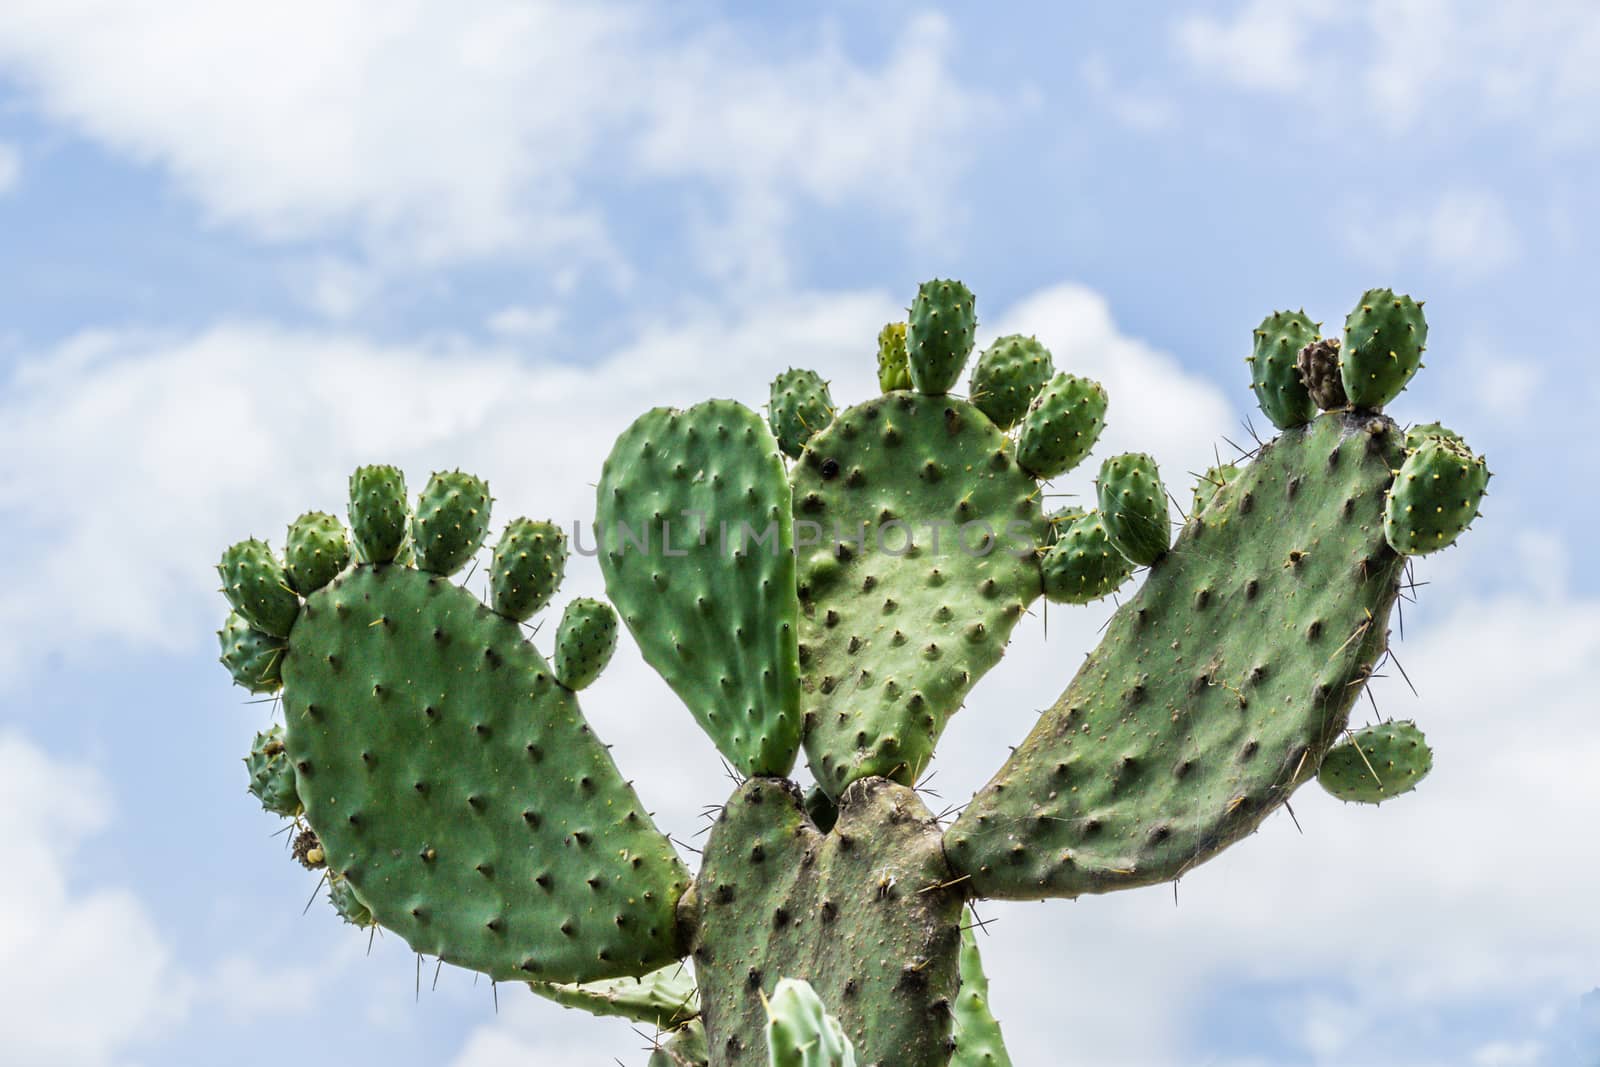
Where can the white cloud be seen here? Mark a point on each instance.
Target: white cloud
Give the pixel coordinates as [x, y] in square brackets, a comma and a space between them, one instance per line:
[445, 134]
[84, 974]
[1137, 108]
[524, 323]
[10, 167]
[1463, 231]
[1418, 63]
[1263, 47]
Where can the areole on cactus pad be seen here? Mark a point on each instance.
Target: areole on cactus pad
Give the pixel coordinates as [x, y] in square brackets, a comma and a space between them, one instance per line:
[836, 581]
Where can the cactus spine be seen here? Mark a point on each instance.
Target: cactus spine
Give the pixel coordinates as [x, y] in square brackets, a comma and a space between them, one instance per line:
[835, 582]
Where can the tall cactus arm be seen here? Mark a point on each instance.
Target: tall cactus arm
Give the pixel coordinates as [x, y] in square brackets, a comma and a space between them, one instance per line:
[1216, 689]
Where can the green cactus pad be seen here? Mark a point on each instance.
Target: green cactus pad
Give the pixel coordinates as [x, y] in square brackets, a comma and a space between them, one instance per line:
[584, 642]
[868, 914]
[1061, 520]
[1435, 497]
[939, 334]
[801, 1033]
[451, 518]
[664, 998]
[1216, 689]
[379, 521]
[697, 553]
[252, 657]
[528, 565]
[1061, 426]
[1205, 490]
[1083, 565]
[905, 605]
[256, 587]
[348, 905]
[271, 776]
[1133, 507]
[461, 792]
[976, 1031]
[1274, 374]
[1383, 342]
[894, 366]
[314, 550]
[1008, 375]
[1318, 367]
[1421, 433]
[799, 407]
[1376, 764]
[685, 1048]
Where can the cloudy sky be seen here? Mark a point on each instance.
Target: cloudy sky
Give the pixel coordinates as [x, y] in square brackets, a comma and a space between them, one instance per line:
[244, 248]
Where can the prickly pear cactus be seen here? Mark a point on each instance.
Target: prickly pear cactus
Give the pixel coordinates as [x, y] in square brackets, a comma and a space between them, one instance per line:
[836, 582]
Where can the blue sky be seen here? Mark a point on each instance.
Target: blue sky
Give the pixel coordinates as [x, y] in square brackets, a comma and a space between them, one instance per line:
[242, 253]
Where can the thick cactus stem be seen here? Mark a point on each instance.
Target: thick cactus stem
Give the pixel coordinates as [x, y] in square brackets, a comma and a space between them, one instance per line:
[894, 366]
[1007, 376]
[798, 407]
[529, 563]
[939, 334]
[584, 642]
[379, 520]
[776, 898]
[1384, 338]
[314, 550]
[801, 1033]
[1061, 426]
[271, 775]
[1376, 764]
[255, 584]
[450, 522]
[1273, 372]
[1133, 506]
[1435, 498]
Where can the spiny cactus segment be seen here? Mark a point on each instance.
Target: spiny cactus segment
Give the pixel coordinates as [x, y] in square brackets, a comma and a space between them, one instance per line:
[1133, 506]
[975, 1030]
[1377, 763]
[1061, 426]
[839, 580]
[529, 563]
[894, 366]
[799, 407]
[271, 777]
[1274, 370]
[585, 641]
[450, 522]
[1008, 375]
[1384, 338]
[314, 550]
[940, 330]
[698, 555]
[379, 517]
